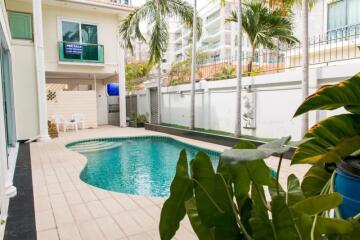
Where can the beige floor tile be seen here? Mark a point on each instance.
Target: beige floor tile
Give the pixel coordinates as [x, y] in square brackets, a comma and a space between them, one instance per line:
[101, 194]
[73, 197]
[69, 232]
[42, 204]
[110, 228]
[87, 195]
[80, 212]
[47, 235]
[127, 224]
[54, 188]
[97, 210]
[67, 186]
[63, 216]
[126, 202]
[40, 191]
[141, 236]
[112, 206]
[45, 220]
[143, 219]
[90, 231]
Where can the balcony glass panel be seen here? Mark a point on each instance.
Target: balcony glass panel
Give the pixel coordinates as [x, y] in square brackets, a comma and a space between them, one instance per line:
[85, 52]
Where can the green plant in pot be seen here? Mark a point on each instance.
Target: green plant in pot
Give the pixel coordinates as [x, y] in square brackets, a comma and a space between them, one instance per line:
[334, 145]
[242, 199]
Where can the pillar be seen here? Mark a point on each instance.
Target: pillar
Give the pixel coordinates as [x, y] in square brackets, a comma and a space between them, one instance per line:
[40, 70]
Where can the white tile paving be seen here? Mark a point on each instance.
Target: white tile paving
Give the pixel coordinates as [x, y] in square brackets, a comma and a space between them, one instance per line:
[67, 208]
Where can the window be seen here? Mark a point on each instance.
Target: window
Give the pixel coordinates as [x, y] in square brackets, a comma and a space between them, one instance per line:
[80, 41]
[20, 25]
[71, 32]
[343, 13]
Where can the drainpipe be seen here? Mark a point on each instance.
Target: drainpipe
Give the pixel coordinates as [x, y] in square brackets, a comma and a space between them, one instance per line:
[40, 70]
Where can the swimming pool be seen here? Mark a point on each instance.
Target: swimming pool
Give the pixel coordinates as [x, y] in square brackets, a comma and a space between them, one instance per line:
[135, 165]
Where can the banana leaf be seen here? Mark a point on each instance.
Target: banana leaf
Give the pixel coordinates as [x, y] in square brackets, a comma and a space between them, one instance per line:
[203, 232]
[330, 140]
[212, 199]
[344, 94]
[181, 190]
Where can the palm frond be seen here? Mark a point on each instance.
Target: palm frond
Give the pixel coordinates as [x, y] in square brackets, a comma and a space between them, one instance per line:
[185, 13]
[264, 26]
[159, 39]
[130, 26]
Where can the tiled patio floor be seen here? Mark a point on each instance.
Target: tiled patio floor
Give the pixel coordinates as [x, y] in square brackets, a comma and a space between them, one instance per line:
[67, 208]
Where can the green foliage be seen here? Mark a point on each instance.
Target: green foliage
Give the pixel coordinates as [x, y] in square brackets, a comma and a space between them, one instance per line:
[344, 94]
[52, 129]
[141, 118]
[337, 137]
[264, 27]
[224, 73]
[180, 72]
[133, 74]
[231, 203]
[155, 14]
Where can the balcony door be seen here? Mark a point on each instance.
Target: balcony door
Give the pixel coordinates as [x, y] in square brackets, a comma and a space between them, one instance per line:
[79, 40]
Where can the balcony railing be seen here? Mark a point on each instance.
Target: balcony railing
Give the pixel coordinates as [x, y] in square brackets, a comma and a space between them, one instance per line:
[81, 52]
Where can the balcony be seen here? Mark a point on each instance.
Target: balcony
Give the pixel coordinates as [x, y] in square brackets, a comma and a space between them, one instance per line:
[81, 52]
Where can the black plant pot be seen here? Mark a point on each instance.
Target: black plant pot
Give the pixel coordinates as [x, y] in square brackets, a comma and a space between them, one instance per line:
[347, 183]
[136, 124]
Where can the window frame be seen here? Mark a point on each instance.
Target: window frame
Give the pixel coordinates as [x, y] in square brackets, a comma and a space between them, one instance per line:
[346, 14]
[80, 22]
[32, 25]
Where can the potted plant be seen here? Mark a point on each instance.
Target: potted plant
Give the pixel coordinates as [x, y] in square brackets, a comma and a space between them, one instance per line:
[138, 121]
[334, 141]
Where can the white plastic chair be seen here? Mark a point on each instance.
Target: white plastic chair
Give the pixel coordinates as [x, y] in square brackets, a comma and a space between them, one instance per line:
[61, 121]
[79, 119]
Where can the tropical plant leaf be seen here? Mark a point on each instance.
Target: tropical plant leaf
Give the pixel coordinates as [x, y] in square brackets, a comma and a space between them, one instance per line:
[343, 94]
[282, 219]
[212, 198]
[294, 193]
[333, 226]
[330, 140]
[181, 190]
[318, 204]
[203, 232]
[234, 156]
[315, 180]
[261, 226]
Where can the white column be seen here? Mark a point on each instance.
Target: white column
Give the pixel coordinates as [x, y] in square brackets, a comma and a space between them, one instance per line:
[122, 89]
[40, 69]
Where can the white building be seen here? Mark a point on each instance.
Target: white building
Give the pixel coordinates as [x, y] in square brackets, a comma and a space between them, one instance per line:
[218, 37]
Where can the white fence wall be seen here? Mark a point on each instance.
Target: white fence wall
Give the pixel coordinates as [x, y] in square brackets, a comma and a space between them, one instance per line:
[277, 97]
[70, 102]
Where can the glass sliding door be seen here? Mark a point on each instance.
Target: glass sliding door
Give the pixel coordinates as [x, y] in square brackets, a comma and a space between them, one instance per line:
[8, 100]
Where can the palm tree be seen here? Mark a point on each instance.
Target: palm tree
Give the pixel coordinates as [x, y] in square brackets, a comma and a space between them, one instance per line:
[264, 27]
[305, 62]
[155, 13]
[193, 69]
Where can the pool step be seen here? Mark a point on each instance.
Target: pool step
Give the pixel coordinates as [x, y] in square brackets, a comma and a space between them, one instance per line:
[93, 146]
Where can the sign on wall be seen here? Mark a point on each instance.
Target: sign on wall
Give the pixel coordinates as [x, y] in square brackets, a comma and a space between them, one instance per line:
[249, 110]
[73, 49]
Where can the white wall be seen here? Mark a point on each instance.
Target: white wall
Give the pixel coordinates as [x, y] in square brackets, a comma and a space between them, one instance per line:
[277, 98]
[70, 102]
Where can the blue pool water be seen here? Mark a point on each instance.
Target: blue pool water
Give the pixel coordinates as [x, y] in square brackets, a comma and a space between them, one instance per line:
[138, 165]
